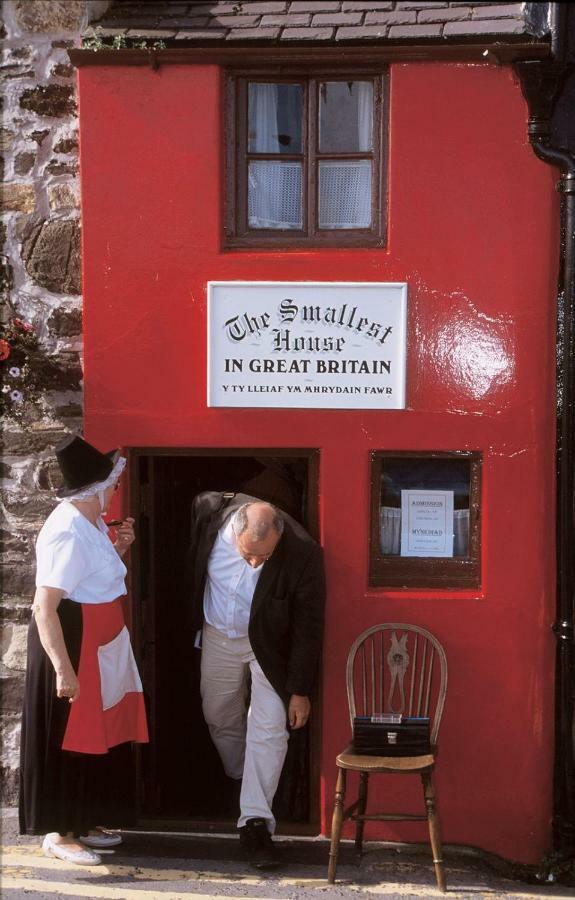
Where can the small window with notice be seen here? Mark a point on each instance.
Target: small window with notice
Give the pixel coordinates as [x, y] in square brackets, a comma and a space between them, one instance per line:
[305, 160]
[425, 520]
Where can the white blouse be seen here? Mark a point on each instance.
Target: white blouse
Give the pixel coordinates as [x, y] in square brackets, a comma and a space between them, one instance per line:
[78, 557]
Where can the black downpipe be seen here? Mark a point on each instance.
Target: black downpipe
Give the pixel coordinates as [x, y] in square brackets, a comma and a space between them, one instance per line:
[542, 83]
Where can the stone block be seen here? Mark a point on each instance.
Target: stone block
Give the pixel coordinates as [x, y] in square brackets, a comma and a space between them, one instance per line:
[9, 73]
[12, 692]
[24, 163]
[56, 167]
[47, 476]
[66, 145]
[39, 136]
[45, 16]
[10, 541]
[17, 198]
[54, 100]
[19, 581]
[70, 411]
[10, 741]
[7, 138]
[63, 196]
[9, 782]
[19, 443]
[51, 255]
[63, 70]
[14, 647]
[6, 277]
[65, 323]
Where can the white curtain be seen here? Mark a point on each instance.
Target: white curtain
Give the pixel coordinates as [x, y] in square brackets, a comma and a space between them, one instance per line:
[345, 194]
[345, 187]
[274, 195]
[390, 531]
[263, 118]
[274, 188]
[364, 114]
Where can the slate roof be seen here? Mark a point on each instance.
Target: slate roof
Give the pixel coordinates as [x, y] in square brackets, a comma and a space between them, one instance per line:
[315, 21]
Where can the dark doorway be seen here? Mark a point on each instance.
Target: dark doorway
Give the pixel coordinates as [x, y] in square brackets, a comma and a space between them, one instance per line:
[180, 777]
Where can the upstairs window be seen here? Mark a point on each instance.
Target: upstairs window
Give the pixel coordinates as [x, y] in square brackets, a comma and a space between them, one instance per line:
[305, 161]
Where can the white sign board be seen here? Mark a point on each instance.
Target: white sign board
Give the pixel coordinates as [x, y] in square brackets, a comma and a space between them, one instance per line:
[426, 523]
[329, 345]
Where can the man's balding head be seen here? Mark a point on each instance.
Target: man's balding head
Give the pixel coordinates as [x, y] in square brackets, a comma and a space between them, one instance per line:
[257, 528]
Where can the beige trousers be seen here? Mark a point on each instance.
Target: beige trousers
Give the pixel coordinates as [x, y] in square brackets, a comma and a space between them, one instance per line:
[252, 742]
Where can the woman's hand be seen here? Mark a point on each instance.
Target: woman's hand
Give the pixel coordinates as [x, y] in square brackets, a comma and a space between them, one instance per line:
[67, 685]
[125, 535]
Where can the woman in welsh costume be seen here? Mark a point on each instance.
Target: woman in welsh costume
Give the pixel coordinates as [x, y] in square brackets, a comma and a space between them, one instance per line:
[83, 704]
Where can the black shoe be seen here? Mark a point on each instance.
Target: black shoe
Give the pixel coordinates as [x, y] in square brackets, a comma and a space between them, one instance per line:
[257, 846]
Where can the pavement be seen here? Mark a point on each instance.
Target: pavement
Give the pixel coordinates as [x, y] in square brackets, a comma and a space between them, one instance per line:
[178, 866]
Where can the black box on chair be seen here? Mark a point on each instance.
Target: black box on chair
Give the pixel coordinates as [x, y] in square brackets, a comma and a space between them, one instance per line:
[391, 735]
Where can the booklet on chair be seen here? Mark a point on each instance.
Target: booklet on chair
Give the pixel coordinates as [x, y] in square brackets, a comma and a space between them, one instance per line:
[391, 735]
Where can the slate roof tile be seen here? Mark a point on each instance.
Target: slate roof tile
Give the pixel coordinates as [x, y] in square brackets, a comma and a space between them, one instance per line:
[330, 21]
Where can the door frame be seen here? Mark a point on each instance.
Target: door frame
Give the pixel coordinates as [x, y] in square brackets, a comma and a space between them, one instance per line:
[141, 502]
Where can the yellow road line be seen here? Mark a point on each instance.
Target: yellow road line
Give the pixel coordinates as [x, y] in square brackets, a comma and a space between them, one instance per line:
[93, 891]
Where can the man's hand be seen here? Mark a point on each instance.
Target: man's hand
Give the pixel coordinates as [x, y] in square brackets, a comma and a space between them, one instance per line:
[298, 710]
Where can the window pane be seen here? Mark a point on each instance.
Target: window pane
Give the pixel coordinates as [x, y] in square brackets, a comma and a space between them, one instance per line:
[274, 114]
[274, 195]
[346, 116]
[345, 194]
[451, 476]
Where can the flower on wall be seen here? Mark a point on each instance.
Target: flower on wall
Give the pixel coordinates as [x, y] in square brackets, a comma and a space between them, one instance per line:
[27, 372]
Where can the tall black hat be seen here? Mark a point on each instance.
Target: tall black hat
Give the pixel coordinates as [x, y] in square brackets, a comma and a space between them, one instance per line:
[82, 465]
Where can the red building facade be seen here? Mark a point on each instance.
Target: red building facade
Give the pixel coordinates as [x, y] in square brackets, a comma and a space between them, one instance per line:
[472, 230]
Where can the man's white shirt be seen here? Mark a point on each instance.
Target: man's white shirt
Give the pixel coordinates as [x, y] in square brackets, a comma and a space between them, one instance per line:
[230, 586]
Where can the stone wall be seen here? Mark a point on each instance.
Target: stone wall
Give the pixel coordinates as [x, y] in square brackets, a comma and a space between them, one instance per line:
[40, 234]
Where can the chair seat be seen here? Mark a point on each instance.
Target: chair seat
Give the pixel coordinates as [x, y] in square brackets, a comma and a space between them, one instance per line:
[351, 760]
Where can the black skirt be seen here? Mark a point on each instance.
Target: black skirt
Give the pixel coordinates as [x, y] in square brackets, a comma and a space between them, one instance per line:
[60, 790]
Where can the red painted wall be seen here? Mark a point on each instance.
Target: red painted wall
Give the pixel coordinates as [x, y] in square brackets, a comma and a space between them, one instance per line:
[473, 230]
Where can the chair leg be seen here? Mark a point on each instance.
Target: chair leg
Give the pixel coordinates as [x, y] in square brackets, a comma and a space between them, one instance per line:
[434, 829]
[336, 824]
[360, 824]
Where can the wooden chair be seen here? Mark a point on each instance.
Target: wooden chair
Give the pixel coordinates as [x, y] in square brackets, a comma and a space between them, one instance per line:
[392, 668]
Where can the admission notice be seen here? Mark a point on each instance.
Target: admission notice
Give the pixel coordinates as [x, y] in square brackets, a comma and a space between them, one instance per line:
[329, 345]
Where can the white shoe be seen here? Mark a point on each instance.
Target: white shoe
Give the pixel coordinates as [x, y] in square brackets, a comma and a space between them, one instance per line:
[61, 851]
[101, 841]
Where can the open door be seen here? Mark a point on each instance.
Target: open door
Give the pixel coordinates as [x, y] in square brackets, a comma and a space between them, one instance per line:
[181, 782]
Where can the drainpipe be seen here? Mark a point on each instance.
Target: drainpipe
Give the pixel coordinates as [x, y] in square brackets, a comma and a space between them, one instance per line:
[542, 82]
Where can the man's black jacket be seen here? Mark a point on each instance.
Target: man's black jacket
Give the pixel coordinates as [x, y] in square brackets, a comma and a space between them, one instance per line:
[286, 618]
